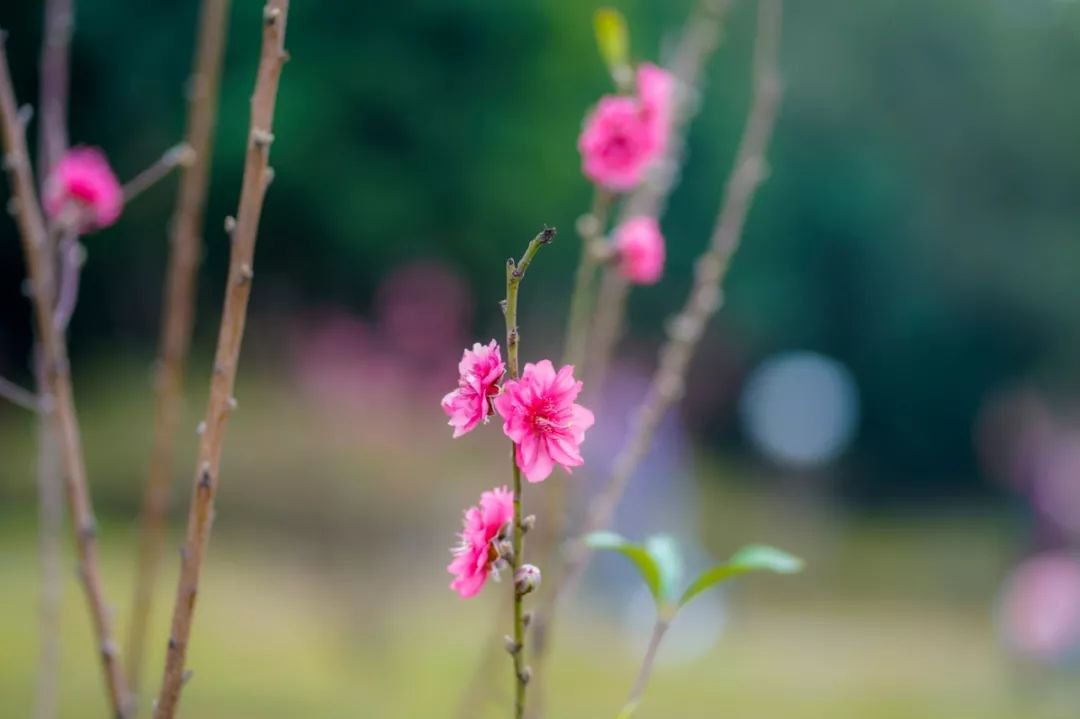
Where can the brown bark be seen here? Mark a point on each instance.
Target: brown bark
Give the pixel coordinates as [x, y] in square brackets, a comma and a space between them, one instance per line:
[257, 175]
[57, 394]
[178, 311]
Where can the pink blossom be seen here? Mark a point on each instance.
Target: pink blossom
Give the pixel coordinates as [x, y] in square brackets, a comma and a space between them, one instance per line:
[541, 418]
[656, 89]
[640, 248]
[474, 557]
[83, 183]
[469, 404]
[617, 144]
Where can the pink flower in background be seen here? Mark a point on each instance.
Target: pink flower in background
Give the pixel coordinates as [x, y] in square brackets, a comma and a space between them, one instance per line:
[474, 557]
[83, 183]
[640, 248]
[469, 404]
[656, 89]
[541, 418]
[617, 144]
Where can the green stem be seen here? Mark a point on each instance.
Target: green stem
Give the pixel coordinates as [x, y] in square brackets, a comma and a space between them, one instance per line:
[515, 272]
[633, 701]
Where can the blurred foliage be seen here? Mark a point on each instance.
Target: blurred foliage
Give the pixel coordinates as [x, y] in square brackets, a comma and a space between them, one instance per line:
[918, 225]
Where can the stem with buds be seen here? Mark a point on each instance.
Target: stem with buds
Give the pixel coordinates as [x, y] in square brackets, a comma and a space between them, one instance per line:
[515, 272]
[178, 311]
[257, 175]
[56, 389]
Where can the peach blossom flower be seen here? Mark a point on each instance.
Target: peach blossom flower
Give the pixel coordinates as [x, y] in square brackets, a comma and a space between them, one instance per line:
[475, 555]
[541, 418]
[83, 183]
[617, 144]
[469, 404]
[640, 250]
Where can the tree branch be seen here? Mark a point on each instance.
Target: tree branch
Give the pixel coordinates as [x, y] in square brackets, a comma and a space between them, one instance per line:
[221, 403]
[53, 99]
[177, 314]
[176, 155]
[19, 396]
[56, 390]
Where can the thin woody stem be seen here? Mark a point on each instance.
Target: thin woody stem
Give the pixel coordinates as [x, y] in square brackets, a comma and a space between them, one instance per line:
[55, 72]
[71, 255]
[633, 700]
[19, 396]
[257, 175]
[52, 143]
[178, 311]
[687, 328]
[591, 230]
[180, 154]
[51, 527]
[515, 273]
[56, 387]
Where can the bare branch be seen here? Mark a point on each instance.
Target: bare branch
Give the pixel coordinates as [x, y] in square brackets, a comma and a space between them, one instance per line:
[233, 316]
[55, 70]
[177, 314]
[19, 396]
[56, 389]
[180, 154]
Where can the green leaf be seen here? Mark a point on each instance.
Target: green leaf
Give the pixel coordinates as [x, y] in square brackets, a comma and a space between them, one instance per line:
[612, 37]
[644, 561]
[665, 553]
[752, 558]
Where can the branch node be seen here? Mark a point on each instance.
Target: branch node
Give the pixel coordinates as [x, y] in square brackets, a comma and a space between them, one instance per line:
[204, 476]
[88, 529]
[261, 138]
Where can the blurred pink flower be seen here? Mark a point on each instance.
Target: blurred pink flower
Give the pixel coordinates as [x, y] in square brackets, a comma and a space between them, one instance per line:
[542, 419]
[656, 88]
[617, 144]
[1041, 606]
[474, 557]
[83, 183]
[640, 250]
[481, 368]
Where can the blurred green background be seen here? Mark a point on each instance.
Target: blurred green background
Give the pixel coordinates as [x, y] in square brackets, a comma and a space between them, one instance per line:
[917, 229]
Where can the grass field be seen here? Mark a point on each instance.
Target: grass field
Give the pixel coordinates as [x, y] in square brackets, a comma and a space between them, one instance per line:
[299, 637]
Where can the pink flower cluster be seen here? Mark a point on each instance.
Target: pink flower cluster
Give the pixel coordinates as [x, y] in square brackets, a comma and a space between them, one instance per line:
[542, 418]
[624, 135]
[84, 185]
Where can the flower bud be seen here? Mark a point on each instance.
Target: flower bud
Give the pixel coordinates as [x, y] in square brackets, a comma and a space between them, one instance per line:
[528, 523]
[526, 579]
[504, 548]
